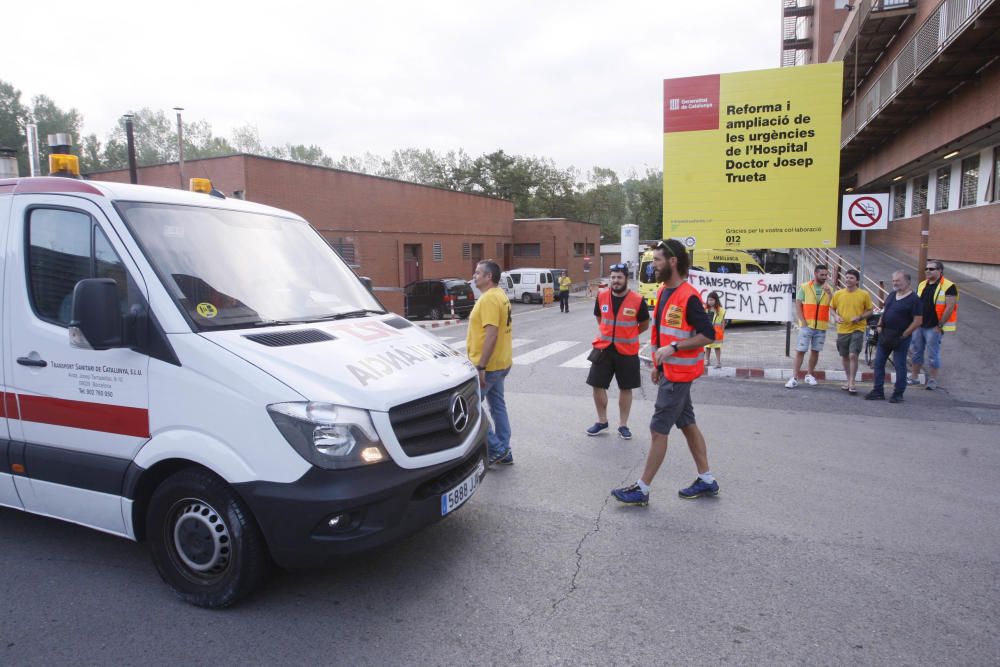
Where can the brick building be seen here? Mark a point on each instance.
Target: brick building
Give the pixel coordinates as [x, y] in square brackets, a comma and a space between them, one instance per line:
[392, 231]
[558, 243]
[921, 116]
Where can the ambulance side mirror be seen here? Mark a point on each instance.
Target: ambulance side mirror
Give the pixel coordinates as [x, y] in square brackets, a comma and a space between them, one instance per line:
[367, 282]
[96, 322]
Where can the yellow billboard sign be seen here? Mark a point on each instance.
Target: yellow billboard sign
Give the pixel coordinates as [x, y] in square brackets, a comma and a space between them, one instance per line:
[752, 159]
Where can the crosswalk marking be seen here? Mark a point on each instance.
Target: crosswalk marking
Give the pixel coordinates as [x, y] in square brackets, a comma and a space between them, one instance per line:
[542, 352]
[515, 342]
[580, 361]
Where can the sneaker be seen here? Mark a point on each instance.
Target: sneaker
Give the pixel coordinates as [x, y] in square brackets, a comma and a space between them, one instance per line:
[895, 399]
[931, 385]
[792, 383]
[810, 380]
[504, 459]
[874, 396]
[631, 495]
[597, 428]
[624, 433]
[698, 489]
[912, 381]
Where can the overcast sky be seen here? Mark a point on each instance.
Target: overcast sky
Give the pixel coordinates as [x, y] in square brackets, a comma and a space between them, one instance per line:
[579, 82]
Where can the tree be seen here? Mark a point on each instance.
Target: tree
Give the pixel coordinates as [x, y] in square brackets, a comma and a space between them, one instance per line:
[603, 201]
[13, 118]
[50, 119]
[246, 139]
[43, 112]
[644, 199]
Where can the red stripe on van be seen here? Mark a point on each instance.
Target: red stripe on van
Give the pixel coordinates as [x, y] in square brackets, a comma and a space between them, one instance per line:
[90, 416]
[46, 184]
[8, 406]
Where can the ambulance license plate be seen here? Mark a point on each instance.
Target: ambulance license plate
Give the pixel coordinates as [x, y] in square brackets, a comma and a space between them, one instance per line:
[453, 499]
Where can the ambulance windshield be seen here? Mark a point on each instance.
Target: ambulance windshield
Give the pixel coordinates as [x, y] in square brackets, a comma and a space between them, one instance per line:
[234, 269]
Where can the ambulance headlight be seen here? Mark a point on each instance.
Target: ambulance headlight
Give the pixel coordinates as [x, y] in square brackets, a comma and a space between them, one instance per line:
[329, 436]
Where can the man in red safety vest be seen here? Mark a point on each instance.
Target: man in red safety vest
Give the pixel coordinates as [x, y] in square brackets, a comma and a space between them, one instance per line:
[621, 316]
[681, 329]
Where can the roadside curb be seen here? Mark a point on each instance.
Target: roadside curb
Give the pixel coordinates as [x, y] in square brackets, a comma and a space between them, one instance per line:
[786, 373]
[782, 373]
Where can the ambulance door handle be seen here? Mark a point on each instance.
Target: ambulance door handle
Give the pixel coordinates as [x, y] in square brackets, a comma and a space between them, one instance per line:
[28, 361]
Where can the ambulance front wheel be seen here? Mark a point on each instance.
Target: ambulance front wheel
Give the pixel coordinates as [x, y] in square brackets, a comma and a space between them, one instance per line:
[204, 541]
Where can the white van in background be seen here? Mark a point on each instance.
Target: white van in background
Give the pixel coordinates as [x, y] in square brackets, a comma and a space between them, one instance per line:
[506, 284]
[529, 285]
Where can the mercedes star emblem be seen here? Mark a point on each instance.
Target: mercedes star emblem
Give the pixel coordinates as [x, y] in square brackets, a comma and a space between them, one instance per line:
[459, 413]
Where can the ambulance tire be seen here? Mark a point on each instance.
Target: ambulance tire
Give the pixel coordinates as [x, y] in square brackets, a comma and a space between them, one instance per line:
[526, 298]
[204, 541]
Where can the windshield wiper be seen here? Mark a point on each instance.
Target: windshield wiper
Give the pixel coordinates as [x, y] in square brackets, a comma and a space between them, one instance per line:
[272, 323]
[354, 313]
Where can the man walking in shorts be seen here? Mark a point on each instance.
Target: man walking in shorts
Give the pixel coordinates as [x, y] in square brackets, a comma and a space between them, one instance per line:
[621, 316]
[812, 304]
[851, 307]
[681, 329]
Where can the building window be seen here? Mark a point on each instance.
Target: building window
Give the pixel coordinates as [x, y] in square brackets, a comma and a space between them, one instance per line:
[590, 250]
[527, 250]
[919, 202]
[436, 253]
[578, 250]
[970, 181]
[898, 201]
[466, 251]
[499, 255]
[996, 174]
[345, 250]
[943, 190]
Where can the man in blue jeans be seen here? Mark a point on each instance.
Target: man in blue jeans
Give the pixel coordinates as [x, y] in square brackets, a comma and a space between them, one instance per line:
[902, 313]
[489, 346]
[940, 298]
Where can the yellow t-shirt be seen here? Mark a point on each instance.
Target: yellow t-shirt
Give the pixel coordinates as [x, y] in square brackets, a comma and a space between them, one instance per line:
[492, 308]
[848, 306]
[564, 284]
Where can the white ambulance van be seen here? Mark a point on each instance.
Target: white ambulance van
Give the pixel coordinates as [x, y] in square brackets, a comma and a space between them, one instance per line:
[206, 374]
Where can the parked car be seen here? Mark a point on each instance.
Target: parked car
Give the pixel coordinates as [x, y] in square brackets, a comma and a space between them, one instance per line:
[530, 284]
[439, 297]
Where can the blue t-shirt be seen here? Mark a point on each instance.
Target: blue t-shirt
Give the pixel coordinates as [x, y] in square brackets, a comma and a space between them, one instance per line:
[898, 314]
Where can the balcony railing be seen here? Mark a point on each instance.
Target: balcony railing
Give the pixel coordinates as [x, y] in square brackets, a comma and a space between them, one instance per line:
[940, 28]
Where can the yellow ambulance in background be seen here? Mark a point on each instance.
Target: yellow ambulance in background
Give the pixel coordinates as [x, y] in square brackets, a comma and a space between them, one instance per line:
[713, 261]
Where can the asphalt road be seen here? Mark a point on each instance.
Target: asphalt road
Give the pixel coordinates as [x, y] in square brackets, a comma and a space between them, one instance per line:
[845, 533]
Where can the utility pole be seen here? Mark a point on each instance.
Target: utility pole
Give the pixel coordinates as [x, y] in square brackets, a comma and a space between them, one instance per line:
[133, 175]
[925, 238]
[180, 145]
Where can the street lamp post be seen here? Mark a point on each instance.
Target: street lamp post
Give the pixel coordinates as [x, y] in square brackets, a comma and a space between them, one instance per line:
[180, 144]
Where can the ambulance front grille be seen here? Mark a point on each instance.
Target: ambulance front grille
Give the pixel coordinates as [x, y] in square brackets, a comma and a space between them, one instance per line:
[425, 425]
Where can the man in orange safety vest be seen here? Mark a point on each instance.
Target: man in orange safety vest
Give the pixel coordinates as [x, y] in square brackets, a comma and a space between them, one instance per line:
[681, 329]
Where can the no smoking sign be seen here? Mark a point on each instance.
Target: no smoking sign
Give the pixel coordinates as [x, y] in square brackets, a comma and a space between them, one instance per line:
[865, 211]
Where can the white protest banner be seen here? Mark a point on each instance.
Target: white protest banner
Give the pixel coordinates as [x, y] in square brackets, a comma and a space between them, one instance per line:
[764, 297]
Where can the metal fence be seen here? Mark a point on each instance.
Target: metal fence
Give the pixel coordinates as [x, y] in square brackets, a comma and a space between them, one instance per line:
[940, 28]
